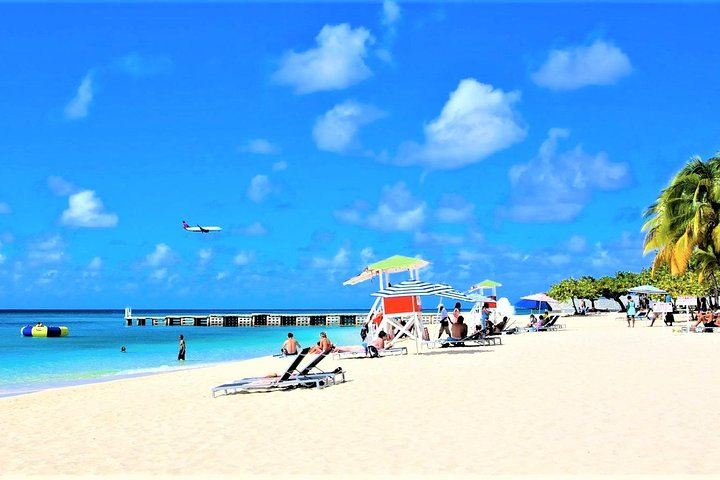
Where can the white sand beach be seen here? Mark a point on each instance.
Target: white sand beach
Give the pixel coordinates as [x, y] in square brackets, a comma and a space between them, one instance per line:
[597, 398]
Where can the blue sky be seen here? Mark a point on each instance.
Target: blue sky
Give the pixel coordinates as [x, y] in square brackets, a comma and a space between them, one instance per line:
[518, 142]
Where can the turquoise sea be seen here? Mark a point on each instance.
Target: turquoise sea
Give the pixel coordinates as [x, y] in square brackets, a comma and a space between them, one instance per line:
[91, 352]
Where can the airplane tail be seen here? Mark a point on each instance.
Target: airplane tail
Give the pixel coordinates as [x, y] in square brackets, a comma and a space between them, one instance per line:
[185, 225]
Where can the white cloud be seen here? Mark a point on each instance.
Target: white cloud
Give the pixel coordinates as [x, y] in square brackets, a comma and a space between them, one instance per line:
[50, 250]
[555, 186]
[557, 259]
[473, 256]
[243, 258]
[205, 255]
[453, 208]
[95, 264]
[159, 274]
[261, 147]
[47, 276]
[86, 210]
[160, 256]
[336, 131]
[254, 230]
[78, 107]
[279, 166]
[336, 63]
[137, 65]
[259, 188]
[5, 208]
[391, 12]
[476, 122]
[435, 238]
[366, 256]
[577, 243]
[598, 64]
[340, 260]
[60, 187]
[398, 210]
[2, 258]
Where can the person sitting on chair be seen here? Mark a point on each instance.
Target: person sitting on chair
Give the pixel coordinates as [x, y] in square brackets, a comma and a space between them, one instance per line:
[458, 331]
[497, 328]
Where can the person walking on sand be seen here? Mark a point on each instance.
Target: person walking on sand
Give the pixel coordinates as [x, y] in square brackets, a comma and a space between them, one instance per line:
[631, 311]
[444, 324]
[181, 353]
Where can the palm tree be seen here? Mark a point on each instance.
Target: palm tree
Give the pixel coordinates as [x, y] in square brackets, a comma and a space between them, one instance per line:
[686, 216]
[706, 262]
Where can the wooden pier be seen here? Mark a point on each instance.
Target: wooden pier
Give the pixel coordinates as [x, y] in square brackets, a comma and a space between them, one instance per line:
[255, 320]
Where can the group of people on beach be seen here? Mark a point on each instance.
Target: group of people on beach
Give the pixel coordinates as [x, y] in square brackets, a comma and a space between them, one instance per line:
[324, 346]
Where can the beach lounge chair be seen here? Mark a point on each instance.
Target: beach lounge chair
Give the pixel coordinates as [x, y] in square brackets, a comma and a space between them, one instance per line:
[474, 340]
[364, 353]
[291, 378]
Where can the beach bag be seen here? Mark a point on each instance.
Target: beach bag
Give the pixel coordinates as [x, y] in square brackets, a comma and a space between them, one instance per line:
[373, 351]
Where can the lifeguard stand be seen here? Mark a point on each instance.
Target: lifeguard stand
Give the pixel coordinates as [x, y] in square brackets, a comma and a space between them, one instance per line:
[397, 315]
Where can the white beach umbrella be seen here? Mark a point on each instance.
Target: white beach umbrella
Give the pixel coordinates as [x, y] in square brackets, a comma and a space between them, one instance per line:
[648, 289]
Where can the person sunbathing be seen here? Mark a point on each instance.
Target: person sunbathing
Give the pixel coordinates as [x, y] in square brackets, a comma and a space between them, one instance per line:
[708, 320]
[496, 329]
[324, 346]
[378, 344]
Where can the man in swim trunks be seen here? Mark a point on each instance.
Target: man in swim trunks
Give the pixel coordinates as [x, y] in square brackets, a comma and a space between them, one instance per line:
[290, 346]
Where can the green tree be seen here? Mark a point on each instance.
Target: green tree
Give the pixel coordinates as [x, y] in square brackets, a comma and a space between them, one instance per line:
[565, 290]
[616, 287]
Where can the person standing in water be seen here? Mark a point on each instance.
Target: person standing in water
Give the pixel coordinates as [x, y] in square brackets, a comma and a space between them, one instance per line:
[181, 353]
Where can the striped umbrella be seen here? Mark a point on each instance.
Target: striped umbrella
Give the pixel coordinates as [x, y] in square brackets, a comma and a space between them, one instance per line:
[455, 295]
[410, 288]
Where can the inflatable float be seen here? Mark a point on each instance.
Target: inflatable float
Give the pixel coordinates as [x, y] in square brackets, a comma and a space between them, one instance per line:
[43, 331]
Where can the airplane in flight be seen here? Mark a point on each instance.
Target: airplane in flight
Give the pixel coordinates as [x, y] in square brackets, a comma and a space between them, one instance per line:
[199, 228]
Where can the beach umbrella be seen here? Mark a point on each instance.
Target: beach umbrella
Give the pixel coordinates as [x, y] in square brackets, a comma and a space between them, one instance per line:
[540, 297]
[412, 288]
[542, 300]
[455, 295]
[394, 264]
[647, 289]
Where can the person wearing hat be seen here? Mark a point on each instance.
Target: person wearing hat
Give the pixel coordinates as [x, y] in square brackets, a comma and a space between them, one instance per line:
[444, 323]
